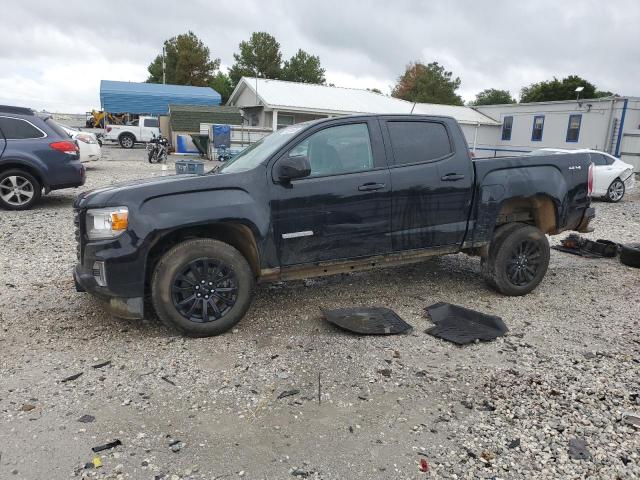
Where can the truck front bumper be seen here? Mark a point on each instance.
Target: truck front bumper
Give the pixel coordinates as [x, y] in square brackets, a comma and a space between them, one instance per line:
[131, 308]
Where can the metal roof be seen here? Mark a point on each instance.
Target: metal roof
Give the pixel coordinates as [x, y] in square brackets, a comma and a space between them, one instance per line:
[306, 97]
[152, 98]
[187, 118]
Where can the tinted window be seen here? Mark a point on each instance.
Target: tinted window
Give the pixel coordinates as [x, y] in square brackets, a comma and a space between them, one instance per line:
[150, 122]
[57, 128]
[415, 142]
[335, 150]
[599, 160]
[538, 126]
[16, 129]
[573, 129]
[507, 127]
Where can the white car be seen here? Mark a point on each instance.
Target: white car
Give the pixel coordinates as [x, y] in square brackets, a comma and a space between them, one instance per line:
[90, 150]
[612, 177]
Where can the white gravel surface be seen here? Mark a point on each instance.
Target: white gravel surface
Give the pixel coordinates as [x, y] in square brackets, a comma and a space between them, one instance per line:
[566, 372]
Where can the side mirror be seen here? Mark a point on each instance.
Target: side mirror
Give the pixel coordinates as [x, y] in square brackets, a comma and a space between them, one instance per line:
[290, 168]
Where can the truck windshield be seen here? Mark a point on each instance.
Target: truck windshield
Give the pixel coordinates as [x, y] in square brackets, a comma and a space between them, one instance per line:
[254, 154]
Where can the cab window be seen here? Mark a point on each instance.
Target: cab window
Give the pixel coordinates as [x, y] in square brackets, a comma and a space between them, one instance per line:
[337, 150]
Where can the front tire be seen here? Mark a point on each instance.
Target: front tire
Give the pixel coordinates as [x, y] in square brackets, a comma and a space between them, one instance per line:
[202, 287]
[19, 190]
[615, 192]
[517, 261]
[127, 140]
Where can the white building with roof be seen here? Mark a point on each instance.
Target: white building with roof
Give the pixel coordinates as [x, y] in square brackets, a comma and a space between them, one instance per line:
[610, 124]
[277, 103]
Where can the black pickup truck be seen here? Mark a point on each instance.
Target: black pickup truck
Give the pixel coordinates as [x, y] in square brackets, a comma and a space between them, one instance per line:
[319, 198]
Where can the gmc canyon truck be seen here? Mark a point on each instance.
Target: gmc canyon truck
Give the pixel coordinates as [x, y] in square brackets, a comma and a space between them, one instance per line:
[319, 198]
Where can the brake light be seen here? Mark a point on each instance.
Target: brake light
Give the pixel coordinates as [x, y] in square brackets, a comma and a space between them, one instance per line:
[108, 129]
[590, 180]
[70, 148]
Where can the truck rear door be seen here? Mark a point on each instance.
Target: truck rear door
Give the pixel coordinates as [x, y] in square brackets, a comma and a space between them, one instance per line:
[431, 181]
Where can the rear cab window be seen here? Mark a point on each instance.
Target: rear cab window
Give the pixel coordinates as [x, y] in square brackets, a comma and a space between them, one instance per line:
[19, 129]
[151, 122]
[418, 141]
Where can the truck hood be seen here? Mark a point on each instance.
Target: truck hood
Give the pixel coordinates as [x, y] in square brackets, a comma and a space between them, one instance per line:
[138, 191]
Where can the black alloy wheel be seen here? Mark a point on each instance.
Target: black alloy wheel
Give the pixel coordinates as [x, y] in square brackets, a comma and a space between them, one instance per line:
[522, 266]
[205, 290]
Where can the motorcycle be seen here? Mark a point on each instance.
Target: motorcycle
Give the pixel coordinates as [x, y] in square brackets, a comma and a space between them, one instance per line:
[157, 149]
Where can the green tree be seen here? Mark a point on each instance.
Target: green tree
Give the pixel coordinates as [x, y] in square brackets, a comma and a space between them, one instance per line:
[428, 84]
[187, 62]
[259, 56]
[375, 90]
[493, 96]
[304, 68]
[222, 84]
[555, 89]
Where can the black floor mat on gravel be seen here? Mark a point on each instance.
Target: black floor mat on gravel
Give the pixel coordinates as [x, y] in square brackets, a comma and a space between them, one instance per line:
[367, 321]
[462, 326]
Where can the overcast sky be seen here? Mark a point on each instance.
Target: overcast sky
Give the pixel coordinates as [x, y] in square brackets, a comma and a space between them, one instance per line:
[54, 54]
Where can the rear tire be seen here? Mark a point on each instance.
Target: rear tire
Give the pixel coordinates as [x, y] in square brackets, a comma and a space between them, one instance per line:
[518, 260]
[126, 140]
[19, 190]
[202, 287]
[615, 192]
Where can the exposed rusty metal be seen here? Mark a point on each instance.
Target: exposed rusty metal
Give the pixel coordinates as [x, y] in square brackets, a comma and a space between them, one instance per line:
[320, 269]
[538, 210]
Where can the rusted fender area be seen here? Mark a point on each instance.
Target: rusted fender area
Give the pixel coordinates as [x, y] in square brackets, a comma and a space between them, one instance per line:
[541, 190]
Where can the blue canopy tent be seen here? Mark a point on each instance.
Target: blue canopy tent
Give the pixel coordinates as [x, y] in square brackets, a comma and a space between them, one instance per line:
[152, 98]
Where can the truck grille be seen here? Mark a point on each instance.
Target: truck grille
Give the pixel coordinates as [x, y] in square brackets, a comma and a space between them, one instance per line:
[77, 223]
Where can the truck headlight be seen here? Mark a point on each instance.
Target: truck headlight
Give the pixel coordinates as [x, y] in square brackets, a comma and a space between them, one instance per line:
[107, 222]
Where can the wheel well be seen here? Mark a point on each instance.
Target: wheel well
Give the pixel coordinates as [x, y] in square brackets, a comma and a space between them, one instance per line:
[27, 168]
[127, 134]
[539, 211]
[237, 235]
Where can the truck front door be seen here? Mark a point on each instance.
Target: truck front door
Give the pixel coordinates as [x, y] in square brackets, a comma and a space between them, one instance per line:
[343, 208]
[432, 182]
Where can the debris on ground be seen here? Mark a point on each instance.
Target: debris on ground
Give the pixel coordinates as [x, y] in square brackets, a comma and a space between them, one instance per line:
[97, 462]
[578, 449]
[367, 320]
[168, 380]
[176, 446]
[462, 326]
[27, 407]
[424, 465]
[288, 393]
[71, 377]
[577, 245]
[632, 419]
[86, 419]
[106, 446]
[102, 364]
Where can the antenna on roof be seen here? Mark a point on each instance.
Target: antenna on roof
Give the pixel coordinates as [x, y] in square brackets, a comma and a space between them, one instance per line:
[414, 106]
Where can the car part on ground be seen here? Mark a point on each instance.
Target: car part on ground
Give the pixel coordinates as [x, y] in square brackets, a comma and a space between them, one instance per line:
[518, 259]
[202, 287]
[367, 320]
[462, 326]
[577, 245]
[630, 254]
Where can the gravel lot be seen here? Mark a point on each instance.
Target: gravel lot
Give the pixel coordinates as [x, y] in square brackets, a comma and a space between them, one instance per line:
[565, 373]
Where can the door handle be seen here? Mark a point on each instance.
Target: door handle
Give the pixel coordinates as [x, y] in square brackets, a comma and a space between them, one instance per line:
[452, 177]
[367, 187]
